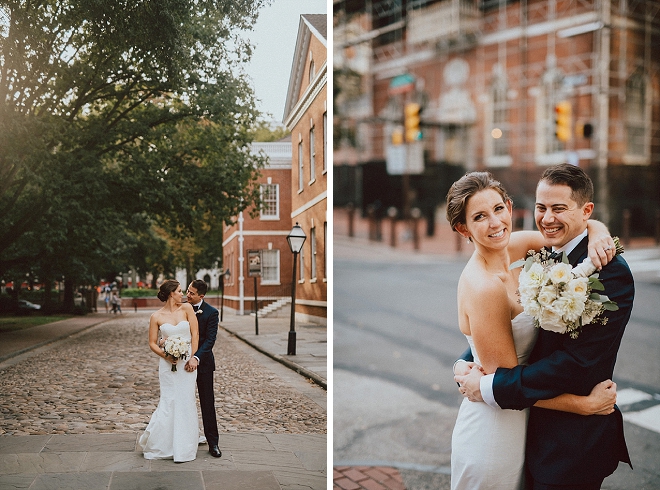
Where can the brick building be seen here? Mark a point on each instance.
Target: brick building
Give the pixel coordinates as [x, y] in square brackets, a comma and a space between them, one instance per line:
[305, 115]
[489, 76]
[265, 233]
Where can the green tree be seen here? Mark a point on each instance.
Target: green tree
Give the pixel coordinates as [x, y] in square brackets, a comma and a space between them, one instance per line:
[266, 131]
[100, 110]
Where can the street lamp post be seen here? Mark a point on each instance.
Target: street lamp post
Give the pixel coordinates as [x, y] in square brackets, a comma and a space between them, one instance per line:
[224, 276]
[296, 239]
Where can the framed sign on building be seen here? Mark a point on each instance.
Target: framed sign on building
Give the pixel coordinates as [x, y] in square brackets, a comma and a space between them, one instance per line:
[254, 263]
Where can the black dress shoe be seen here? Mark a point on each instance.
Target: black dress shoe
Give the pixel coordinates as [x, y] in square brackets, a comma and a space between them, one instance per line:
[215, 451]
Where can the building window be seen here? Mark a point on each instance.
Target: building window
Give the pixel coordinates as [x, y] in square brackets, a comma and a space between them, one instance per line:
[325, 141]
[311, 71]
[270, 267]
[300, 167]
[636, 116]
[312, 156]
[500, 133]
[270, 201]
[325, 248]
[312, 246]
[301, 265]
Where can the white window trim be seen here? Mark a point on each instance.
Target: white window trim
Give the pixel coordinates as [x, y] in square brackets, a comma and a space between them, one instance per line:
[276, 217]
[274, 282]
[325, 143]
[301, 167]
[312, 252]
[312, 155]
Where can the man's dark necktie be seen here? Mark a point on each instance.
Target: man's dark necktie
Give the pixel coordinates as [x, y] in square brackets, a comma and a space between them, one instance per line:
[556, 256]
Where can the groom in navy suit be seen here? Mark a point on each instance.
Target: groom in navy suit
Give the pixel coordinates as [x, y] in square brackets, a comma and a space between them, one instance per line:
[203, 360]
[564, 450]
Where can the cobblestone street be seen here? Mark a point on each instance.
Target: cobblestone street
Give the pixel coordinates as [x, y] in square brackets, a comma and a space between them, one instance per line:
[105, 380]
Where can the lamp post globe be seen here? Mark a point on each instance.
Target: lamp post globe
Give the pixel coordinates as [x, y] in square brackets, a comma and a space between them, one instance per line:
[296, 239]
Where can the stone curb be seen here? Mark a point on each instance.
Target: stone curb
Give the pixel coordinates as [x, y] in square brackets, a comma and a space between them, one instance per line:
[291, 365]
[51, 340]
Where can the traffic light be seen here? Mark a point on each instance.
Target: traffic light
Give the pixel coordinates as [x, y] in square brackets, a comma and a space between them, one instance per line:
[563, 121]
[411, 122]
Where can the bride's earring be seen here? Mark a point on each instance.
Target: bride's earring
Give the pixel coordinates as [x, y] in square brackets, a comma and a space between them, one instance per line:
[469, 240]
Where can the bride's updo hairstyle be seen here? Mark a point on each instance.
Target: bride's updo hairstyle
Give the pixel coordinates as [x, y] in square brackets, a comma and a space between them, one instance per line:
[167, 288]
[466, 187]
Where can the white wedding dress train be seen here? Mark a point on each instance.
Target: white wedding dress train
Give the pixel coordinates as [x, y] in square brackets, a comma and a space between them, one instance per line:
[173, 431]
[488, 444]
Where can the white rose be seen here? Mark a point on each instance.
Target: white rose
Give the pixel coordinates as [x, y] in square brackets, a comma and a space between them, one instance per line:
[527, 292]
[584, 268]
[578, 287]
[551, 320]
[535, 277]
[570, 307]
[532, 308]
[547, 295]
[560, 273]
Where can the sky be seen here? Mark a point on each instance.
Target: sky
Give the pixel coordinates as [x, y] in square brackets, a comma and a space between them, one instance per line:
[274, 39]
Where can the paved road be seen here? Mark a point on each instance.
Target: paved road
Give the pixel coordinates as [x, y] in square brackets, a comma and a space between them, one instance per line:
[395, 339]
[71, 411]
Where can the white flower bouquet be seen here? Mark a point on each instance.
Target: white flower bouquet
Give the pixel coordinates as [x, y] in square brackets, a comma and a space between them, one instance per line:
[561, 298]
[177, 347]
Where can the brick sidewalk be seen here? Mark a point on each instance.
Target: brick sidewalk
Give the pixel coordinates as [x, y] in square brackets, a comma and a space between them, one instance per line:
[367, 477]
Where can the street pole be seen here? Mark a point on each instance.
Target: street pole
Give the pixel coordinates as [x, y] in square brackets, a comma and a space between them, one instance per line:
[256, 308]
[222, 292]
[291, 349]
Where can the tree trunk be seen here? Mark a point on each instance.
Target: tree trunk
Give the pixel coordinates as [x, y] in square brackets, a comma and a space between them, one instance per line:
[48, 290]
[68, 295]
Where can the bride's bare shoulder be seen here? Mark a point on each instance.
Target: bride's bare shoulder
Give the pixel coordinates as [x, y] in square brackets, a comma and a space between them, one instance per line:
[156, 316]
[476, 280]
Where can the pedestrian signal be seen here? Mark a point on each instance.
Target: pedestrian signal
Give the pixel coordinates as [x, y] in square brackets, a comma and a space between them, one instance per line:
[563, 121]
[411, 122]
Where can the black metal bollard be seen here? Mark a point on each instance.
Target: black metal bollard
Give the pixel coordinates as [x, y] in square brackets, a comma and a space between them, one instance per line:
[351, 219]
[392, 212]
[626, 228]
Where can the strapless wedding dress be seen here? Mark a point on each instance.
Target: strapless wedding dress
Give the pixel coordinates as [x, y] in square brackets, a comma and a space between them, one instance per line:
[488, 444]
[173, 431]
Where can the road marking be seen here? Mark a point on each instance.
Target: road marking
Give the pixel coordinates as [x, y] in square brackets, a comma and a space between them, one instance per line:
[630, 396]
[649, 418]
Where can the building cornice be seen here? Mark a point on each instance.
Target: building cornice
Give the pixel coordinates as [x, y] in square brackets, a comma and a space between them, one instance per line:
[307, 98]
[310, 204]
[256, 233]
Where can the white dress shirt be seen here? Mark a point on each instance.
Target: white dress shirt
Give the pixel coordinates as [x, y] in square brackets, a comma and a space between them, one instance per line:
[486, 382]
[198, 305]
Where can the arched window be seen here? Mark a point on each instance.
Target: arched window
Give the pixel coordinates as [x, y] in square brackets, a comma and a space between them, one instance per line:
[311, 71]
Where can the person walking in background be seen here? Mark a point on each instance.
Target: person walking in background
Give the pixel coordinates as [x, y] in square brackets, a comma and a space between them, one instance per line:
[106, 299]
[116, 303]
[204, 361]
[564, 450]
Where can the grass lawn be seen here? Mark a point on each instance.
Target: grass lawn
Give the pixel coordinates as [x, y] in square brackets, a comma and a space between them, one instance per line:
[11, 323]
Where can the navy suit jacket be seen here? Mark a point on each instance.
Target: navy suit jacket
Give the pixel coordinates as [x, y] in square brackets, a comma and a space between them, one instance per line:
[566, 448]
[208, 331]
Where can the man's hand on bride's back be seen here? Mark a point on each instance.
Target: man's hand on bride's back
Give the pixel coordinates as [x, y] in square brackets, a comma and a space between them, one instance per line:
[602, 398]
[462, 367]
[469, 383]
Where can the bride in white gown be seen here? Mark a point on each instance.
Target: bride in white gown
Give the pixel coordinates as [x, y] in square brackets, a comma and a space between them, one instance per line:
[488, 445]
[173, 431]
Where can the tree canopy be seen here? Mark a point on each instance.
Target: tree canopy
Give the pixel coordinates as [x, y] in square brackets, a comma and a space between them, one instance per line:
[112, 109]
